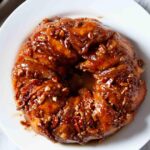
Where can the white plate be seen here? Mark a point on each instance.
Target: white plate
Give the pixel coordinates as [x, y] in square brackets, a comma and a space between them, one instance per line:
[126, 17]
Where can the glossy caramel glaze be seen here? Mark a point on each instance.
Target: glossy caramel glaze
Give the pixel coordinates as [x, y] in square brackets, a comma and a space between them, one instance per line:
[76, 80]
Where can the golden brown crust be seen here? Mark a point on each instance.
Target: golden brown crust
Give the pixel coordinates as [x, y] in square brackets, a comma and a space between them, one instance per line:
[76, 81]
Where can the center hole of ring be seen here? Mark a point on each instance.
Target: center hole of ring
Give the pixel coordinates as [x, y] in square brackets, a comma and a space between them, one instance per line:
[79, 80]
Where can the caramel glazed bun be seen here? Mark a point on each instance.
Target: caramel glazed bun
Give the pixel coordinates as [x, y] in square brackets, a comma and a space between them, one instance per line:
[76, 80]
